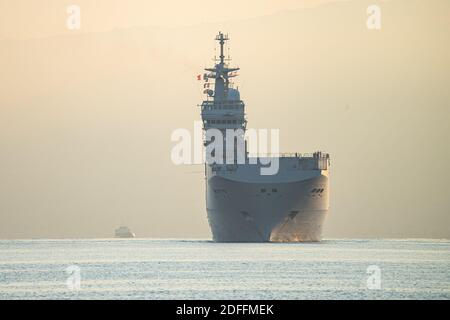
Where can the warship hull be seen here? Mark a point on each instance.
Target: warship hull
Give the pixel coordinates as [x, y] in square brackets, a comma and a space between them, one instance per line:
[243, 211]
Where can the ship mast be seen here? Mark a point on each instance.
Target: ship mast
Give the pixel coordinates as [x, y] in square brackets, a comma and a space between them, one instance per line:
[221, 38]
[221, 73]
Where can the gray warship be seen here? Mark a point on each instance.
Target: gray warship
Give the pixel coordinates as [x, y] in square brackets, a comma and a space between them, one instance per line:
[242, 204]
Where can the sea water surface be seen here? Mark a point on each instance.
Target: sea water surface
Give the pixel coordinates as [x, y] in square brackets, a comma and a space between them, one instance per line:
[201, 269]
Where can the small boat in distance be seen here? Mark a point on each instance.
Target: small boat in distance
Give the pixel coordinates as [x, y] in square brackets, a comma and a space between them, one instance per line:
[124, 232]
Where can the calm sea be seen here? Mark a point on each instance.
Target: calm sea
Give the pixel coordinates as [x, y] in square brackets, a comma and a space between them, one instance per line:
[200, 269]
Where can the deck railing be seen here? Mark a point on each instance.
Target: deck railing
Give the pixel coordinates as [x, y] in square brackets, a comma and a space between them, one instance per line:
[314, 161]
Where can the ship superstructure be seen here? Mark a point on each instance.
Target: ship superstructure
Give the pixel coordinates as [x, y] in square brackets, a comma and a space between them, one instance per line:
[242, 204]
[124, 232]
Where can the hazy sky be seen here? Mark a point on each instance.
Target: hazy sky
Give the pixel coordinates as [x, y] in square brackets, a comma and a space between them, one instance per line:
[86, 116]
[24, 18]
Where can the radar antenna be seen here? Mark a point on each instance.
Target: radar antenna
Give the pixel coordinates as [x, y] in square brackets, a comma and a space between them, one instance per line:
[222, 38]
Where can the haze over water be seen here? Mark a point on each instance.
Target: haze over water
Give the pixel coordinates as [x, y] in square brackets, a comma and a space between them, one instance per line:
[200, 269]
